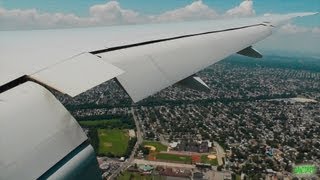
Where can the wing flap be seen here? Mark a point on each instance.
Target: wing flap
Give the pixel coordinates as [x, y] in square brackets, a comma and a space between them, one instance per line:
[142, 76]
[250, 52]
[78, 74]
[194, 82]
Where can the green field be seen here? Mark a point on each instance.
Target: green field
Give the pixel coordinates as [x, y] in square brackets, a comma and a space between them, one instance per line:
[204, 159]
[174, 158]
[99, 122]
[113, 141]
[159, 147]
[238, 177]
[136, 176]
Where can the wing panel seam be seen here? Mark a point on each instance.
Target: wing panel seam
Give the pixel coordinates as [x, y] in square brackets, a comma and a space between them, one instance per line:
[169, 39]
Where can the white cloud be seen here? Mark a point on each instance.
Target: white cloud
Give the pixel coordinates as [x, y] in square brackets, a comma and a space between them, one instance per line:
[316, 30]
[109, 13]
[29, 19]
[112, 13]
[195, 11]
[244, 9]
[294, 29]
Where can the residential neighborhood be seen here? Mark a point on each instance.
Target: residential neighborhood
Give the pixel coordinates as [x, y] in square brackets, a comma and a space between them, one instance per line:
[257, 121]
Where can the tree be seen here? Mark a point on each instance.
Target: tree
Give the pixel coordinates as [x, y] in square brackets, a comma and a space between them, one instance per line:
[145, 151]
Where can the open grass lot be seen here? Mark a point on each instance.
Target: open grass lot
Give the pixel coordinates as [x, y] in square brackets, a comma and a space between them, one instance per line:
[174, 158]
[99, 122]
[159, 147]
[136, 176]
[205, 159]
[238, 177]
[113, 141]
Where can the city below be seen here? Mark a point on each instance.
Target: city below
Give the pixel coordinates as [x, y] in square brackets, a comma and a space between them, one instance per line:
[261, 120]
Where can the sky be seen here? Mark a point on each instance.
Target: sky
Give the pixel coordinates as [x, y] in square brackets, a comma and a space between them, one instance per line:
[301, 36]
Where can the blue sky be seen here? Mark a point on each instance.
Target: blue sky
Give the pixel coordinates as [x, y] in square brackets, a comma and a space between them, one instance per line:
[307, 28]
[151, 6]
[81, 7]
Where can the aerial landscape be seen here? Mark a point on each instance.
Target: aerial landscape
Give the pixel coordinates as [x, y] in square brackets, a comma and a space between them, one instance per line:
[172, 90]
[260, 118]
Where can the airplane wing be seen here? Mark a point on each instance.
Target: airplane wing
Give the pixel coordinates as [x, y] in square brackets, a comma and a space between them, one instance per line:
[40, 139]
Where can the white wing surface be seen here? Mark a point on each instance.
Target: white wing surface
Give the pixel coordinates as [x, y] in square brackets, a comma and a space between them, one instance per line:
[150, 68]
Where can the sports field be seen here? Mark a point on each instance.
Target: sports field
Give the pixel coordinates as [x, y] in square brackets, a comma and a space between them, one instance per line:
[174, 158]
[99, 122]
[159, 147]
[113, 141]
[136, 176]
[205, 159]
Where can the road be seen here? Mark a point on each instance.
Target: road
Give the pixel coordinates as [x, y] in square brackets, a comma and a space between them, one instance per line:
[157, 163]
[220, 153]
[139, 133]
[129, 161]
[218, 175]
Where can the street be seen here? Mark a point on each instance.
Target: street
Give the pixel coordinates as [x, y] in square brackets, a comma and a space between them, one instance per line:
[220, 153]
[157, 163]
